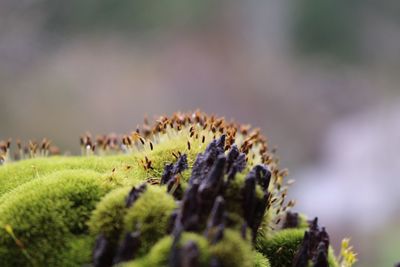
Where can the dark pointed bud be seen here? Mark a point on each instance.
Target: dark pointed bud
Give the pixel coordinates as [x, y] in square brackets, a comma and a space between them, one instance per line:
[324, 238]
[190, 255]
[221, 143]
[103, 252]
[249, 198]
[172, 221]
[397, 265]
[217, 213]
[236, 162]
[129, 247]
[167, 174]
[314, 224]
[240, 162]
[175, 253]
[231, 157]
[188, 217]
[134, 194]
[197, 169]
[204, 162]
[232, 154]
[211, 153]
[211, 147]
[175, 188]
[301, 258]
[263, 176]
[322, 256]
[180, 165]
[291, 220]
[216, 221]
[258, 215]
[212, 185]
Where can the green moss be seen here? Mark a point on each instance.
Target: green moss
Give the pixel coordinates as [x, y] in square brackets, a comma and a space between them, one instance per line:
[281, 248]
[14, 174]
[159, 254]
[331, 258]
[108, 217]
[303, 221]
[233, 251]
[52, 209]
[18, 173]
[260, 260]
[142, 262]
[151, 214]
[233, 195]
[45, 214]
[78, 252]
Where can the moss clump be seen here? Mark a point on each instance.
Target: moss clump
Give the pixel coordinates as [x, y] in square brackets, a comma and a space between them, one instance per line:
[159, 255]
[150, 214]
[233, 251]
[282, 247]
[15, 174]
[108, 217]
[260, 260]
[77, 252]
[45, 214]
[206, 192]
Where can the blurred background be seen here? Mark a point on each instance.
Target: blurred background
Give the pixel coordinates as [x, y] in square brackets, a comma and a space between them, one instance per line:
[319, 77]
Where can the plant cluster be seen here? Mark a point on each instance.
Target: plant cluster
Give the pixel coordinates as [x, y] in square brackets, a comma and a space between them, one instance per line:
[187, 190]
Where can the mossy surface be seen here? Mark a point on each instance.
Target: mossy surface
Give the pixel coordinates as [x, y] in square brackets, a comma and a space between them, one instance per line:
[150, 214]
[281, 247]
[78, 252]
[65, 210]
[45, 214]
[160, 253]
[260, 260]
[233, 251]
[108, 217]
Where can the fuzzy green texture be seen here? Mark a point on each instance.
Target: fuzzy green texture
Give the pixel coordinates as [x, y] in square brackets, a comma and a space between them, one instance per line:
[78, 252]
[234, 198]
[233, 251]
[14, 174]
[150, 214]
[47, 201]
[281, 248]
[57, 206]
[260, 260]
[303, 221]
[159, 254]
[108, 217]
[45, 214]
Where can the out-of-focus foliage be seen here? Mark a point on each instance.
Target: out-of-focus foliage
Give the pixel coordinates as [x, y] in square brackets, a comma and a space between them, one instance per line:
[126, 15]
[327, 26]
